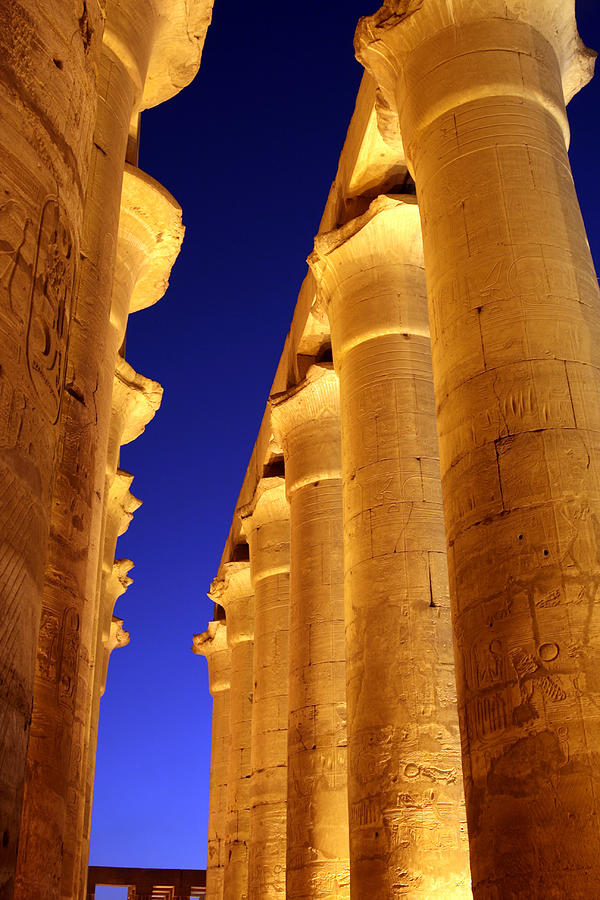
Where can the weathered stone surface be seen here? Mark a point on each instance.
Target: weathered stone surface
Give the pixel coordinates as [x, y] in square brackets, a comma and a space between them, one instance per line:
[306, 422]
[480, 90]
[232, 589]
[48, 55]
[267, 527]
[407, 817]
[213, 644]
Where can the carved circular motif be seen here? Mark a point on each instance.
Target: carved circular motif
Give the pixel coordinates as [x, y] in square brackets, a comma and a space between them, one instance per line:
[548, 652]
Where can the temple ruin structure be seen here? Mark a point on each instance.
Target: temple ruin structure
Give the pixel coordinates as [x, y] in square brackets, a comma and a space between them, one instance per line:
[86, 238]
[409, 584]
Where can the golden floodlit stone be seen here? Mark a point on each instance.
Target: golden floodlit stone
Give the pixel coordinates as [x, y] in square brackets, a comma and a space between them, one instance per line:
[407, 817]
[267, 527]
[479, 89]
[233, 591]
[213, 645]
[306, 422]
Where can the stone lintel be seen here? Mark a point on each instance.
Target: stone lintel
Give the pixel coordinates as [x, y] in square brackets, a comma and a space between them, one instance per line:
[135, 400]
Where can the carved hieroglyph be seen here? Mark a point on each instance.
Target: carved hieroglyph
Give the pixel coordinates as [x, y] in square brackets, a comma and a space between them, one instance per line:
[406, 807]
[49, 52]
[306, 422]
[232, 589]
[213, 645]
[267, 527]
[480, 91]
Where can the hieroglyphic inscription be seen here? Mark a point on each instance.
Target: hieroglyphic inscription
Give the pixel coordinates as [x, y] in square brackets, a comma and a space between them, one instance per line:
[48, 646]
[50, 306]
[16, 244]
[58, 651]
[69, 656]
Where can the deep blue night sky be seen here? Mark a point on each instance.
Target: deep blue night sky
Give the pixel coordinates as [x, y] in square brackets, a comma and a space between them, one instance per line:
[249, 150]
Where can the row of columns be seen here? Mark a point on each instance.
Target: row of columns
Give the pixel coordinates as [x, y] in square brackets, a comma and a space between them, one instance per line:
[475, 314]
[85, 238]
[362, 718]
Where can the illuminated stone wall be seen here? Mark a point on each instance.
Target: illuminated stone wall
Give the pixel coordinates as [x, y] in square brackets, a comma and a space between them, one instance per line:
[81, 227]
[469, 635]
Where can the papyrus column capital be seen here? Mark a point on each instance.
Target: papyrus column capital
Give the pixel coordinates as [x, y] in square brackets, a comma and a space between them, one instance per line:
[306, 421]
[212, 644]
[267, 505]
[159, 44]
[135, 401]
[361, 268]
[232, 589]
[406, 38]
[149, 240]
[117, 637]
[266, 522]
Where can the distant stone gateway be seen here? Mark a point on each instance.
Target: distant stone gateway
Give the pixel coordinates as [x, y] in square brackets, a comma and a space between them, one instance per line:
[404, 651]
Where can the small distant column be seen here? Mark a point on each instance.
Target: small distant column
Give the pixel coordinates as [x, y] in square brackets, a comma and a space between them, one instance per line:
[232, 590]
[267, 527]
[479, 89]
[306, 421]
[407, 814]
[213, 645]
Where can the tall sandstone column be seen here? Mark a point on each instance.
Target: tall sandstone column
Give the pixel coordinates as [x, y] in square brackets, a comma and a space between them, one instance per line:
[406, 806]
[48, 56]
[480, 91]
[232, 590]
[135, 401]
[306, 422]
[50, 849]
[267, 527]
[149, 239]
[213, 645]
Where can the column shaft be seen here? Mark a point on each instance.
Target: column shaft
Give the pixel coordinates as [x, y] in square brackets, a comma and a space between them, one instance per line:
[237, 830]
[307, 422]
[48, 95]
[213, 645]
[233, 591]
[407, 817]
[515, 319]
[267, 529]
[52, 836]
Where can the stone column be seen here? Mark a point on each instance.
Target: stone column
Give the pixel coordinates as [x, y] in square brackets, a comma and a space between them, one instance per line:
[49, 54]
[213, 644]
[149, 239]
[232, 590]
[267, 527]
[135, 401]
[306, 421]
[407, 816]
[480, 90]
[150, 51]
